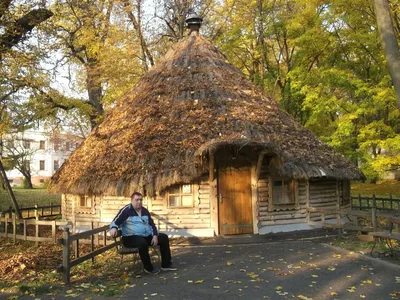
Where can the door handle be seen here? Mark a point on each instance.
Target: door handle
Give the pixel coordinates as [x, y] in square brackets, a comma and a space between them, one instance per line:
[221, 199]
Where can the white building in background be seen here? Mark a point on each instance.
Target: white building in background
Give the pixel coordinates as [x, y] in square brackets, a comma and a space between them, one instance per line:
[44, 152]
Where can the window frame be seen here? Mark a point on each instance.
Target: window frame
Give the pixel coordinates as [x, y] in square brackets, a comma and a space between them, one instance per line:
[180, 194]
[293, 194]
[42, 165]
[42, 145]
[85, 209]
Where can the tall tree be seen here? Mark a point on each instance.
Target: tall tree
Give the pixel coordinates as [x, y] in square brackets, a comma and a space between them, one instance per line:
[14, 28]
[94, 38]
[389, 42]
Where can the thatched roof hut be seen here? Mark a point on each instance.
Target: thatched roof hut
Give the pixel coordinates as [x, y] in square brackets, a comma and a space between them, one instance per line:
[191, 104]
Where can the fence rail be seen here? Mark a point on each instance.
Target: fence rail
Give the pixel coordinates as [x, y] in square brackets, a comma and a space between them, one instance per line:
[35, 211]
[373, 215]
[9, 228]
[381, 204]
[69, 241]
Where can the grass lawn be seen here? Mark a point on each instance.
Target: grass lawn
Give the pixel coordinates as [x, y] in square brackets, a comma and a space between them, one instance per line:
[380, 189]
[29, 197]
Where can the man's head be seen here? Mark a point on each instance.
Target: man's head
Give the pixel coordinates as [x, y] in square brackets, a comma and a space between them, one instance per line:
[136, 200]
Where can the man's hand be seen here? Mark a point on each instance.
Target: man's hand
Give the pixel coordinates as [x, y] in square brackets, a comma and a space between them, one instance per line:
[113, 232]
[154, 241]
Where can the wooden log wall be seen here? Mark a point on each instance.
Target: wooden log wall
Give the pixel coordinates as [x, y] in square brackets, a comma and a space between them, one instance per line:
[107, 207]
[196, 217]
[323, 194]
[280, 215]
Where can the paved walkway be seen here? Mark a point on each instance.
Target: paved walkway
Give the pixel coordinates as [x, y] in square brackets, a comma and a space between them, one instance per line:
[281, 266]
[276, 270]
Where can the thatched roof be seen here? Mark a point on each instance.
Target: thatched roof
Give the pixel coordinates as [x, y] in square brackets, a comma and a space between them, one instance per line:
[192, 103]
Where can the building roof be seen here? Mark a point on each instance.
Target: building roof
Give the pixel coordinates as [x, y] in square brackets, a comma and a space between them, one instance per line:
[189, 105]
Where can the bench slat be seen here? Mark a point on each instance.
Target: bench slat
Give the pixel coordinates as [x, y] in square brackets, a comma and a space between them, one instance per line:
[387, 235]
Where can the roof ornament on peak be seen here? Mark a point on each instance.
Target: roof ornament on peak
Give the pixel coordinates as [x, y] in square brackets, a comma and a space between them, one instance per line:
[193, 22]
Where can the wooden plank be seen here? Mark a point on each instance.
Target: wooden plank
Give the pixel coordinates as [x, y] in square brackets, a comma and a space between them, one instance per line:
[283, 222]
[386, 235]
[254, 195]
[235, 209]
[212, 182]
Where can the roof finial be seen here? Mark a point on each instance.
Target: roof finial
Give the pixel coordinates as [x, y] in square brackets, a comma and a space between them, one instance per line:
[193, 22]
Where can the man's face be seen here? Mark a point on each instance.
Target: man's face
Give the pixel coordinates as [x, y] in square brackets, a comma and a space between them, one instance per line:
[137, 202]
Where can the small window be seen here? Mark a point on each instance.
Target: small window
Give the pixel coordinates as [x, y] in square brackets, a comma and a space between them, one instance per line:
[180, 196]
[42, 145]
[41, 165]
[283, 192]
[56, 165]
[85, 201]
[26, 144]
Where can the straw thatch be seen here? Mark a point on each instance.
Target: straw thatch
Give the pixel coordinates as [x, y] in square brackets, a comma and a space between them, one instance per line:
[192, 103]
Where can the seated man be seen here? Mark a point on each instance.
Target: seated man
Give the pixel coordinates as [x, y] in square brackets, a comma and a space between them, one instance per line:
[139, 231]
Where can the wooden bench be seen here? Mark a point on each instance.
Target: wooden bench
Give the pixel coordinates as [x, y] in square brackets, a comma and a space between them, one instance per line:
[123, 250]
[387, 236]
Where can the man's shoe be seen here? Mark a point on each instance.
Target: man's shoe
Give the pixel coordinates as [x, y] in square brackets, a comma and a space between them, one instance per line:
[154, 271]
[169, 268]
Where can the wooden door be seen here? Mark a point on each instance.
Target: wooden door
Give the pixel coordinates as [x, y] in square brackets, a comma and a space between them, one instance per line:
[234, 197]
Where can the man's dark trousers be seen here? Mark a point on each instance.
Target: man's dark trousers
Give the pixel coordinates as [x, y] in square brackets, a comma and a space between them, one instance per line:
[143, 244]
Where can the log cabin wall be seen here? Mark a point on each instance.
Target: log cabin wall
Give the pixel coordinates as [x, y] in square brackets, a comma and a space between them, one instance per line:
[280, 215]
[196, 217]
[66, 206]
[324, 193]
[105, 208]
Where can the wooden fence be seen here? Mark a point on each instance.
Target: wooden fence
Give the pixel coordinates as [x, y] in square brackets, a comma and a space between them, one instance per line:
[380, 203]
[35, 211]
[352, 215]
[18, 229]
[91, 237]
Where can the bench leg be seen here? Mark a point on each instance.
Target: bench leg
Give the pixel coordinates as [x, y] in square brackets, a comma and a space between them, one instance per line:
[373, 247]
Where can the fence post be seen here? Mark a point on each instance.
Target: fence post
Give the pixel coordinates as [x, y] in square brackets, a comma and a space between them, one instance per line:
[96, 237]
[25, 236]
[15, 228]
[10, 212]
[36, 225]
[338, 219]
[53, 231]
[66, 255]
[373, 210]
[391, 202]
[359, 201]
[6, 226]
[92, 240]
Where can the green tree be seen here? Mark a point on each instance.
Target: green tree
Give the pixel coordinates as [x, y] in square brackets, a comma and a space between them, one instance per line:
[389, 42]
[323, 63]
[96, 41]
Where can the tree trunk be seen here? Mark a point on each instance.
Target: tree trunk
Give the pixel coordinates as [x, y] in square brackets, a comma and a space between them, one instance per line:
[94, 92]
[28, 180]
[10, 191]
[389, 43]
